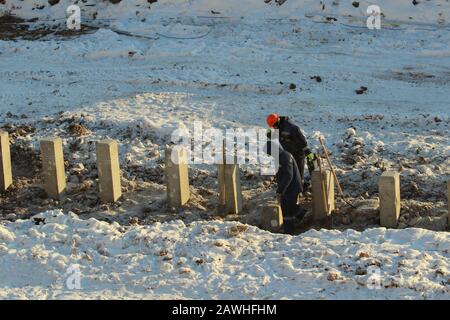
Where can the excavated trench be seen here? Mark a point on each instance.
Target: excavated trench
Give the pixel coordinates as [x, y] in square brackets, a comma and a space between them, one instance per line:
[143, 200]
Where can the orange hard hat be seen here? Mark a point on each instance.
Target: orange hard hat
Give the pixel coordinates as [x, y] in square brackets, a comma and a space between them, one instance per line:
[272, 119]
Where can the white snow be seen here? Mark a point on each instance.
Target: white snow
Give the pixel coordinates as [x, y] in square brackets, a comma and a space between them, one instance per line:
[139, 90]
[431, 11]
[232, 78]
[217, 260]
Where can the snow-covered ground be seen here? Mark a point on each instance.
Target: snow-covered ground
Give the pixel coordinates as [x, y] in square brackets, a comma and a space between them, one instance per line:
[427, 12]
[241, 71]
[227, 68]
[218, 261]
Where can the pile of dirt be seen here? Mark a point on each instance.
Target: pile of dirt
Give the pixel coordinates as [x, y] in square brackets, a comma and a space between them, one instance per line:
[14, 28]
[413, 214]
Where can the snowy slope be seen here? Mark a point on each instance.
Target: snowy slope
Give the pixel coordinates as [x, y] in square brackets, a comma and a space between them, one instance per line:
[218, 260]
[236, 73]
[434, 11]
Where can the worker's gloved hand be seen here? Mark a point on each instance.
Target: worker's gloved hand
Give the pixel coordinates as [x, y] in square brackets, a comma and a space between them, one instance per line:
[309, 155]
[269, 134]
[311, 165]
[310, 158]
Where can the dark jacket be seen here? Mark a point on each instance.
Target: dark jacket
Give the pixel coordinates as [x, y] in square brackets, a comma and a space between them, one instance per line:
[291, 137]
[288, 176]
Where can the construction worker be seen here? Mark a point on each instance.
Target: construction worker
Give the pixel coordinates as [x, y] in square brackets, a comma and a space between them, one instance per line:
[293, 140]
[289, 186]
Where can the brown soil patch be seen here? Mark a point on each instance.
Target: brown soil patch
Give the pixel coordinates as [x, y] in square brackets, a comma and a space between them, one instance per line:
[12, 28]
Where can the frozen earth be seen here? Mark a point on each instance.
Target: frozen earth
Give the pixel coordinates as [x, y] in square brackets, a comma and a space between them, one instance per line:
[226, 64]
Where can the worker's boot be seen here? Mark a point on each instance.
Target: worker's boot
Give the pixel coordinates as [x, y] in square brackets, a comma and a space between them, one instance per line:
[301, 214]
[288, 225]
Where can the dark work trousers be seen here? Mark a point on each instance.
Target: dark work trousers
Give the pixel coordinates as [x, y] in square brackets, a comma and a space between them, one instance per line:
[300, 159]
[291, 211]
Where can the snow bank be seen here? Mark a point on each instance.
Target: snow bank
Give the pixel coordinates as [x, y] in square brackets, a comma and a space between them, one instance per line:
[217, 260]
[432, 11]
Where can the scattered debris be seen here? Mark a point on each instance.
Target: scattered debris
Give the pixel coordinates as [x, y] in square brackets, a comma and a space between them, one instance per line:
[361, 90]
[78, 130]
[237, 230]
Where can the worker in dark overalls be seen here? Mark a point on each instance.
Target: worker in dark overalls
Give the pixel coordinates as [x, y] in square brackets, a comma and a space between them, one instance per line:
[289, 186]
[293, 141]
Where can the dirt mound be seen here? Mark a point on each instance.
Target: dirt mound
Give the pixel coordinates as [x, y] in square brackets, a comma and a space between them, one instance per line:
[12, 27]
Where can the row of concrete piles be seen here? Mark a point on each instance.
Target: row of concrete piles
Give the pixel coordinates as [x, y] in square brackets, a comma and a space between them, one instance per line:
[177, 176]
[323, 200]
[53, 171]
[107, 152]
[177, 179]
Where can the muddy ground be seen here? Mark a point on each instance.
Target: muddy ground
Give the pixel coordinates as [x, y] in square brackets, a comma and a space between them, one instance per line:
[143, 200]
